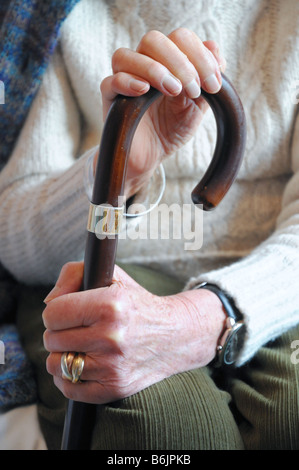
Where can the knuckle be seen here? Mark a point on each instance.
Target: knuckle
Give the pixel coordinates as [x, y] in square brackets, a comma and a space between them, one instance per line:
[116, 338]
[184, 37]
[150, 38]
[181, 33]
[45, 318]
[116, 80]
[115, 310]
[49, 365]
[156, 71]
[116, 319]
[213, 45]
[116, 341]
[104, 85]
[46, 340]
[117, 56]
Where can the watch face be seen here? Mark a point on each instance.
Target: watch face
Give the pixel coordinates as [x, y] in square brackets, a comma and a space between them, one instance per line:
[233, 344]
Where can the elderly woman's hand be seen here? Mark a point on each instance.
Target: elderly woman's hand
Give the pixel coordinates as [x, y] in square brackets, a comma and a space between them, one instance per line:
[130, 337]
[177, 65]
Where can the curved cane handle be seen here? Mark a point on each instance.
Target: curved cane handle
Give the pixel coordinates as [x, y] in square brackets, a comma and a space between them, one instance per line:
[120, 127]
[229, 149]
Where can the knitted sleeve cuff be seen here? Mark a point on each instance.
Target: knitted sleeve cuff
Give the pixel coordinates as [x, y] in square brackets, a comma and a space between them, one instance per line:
[264, 288]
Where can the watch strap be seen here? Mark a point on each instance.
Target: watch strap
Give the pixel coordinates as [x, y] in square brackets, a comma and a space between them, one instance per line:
[227, 302]
[231, 341]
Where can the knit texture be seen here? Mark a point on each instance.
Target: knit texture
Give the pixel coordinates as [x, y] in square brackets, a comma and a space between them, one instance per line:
[250, 243]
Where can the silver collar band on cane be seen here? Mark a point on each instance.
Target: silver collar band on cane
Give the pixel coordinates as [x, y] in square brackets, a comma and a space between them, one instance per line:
[104, 220]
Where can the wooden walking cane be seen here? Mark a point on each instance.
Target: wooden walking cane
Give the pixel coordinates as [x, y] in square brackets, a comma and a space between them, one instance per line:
[121, 123]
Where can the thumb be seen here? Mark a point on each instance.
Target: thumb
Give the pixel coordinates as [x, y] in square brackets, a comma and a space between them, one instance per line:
[69, 280]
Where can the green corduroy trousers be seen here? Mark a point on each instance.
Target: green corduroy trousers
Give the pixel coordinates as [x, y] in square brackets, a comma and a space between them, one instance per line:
[258, 409]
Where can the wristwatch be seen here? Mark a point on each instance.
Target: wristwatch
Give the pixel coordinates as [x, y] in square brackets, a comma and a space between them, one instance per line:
[231, 341]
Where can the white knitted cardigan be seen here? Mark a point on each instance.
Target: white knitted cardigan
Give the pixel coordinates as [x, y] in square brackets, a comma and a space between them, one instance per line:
[251, 241]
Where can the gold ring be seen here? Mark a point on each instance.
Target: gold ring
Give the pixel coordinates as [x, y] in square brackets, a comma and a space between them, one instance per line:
[72, 365]
[77, 367]
[66, 363]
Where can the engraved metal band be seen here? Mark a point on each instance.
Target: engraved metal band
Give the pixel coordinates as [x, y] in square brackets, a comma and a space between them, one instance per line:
[104, 220]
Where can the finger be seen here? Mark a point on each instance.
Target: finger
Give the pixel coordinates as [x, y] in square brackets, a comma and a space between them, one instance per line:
[187, 58]
[69, 280]
[84, 308]
[106, 340]
[90, 388]
[147, 69]
[215, 50]
[101, 370]
[200, 56]
[165, 51]
[124, 84]
[90, 369]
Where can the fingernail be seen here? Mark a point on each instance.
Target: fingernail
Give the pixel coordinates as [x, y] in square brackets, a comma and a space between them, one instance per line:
[138, 85]
[172, 84]
[52, 294]
[193, 89]
[212, 85]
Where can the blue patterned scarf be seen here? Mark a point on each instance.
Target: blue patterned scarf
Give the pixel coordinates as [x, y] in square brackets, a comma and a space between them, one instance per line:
[29, 31]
